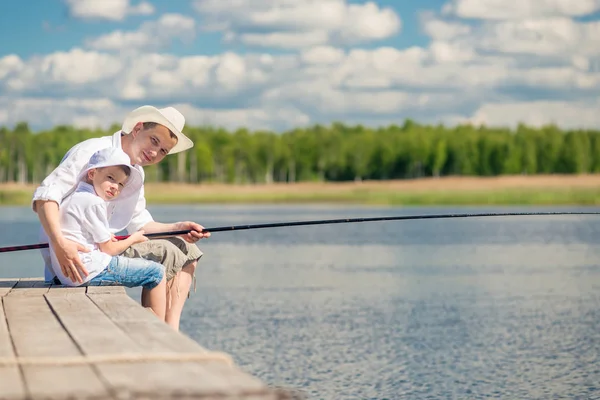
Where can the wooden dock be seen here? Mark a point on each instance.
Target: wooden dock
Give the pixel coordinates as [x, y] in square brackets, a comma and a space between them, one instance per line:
[98, 343]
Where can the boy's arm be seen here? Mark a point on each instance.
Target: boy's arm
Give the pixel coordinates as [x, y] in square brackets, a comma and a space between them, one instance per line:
[95, 223]
[114, 248]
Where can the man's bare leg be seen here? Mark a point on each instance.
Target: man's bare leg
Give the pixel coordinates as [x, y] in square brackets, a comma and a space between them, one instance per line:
[178, 293]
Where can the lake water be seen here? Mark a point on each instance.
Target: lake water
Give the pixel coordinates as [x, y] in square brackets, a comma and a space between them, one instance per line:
[503, 307]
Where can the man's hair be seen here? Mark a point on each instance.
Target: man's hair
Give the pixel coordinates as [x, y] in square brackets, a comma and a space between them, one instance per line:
[150, 125]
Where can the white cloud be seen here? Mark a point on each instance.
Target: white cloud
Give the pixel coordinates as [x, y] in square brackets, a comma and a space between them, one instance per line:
[10, 64]
[151, 35]
[496, 71]
[318, 84]
[573, 114]
[444, 52]
[323, 101]
[557, 37]
[438, 29]
[322, 55]
[102, 113]
[282, 39]
[73, 69]
[557, 78]
[540, 37]
[298, 23]
[258, 118]
[520, 9]
[48, 112]
[115, 10]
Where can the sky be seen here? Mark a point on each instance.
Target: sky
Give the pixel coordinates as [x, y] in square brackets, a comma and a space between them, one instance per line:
[283, 64]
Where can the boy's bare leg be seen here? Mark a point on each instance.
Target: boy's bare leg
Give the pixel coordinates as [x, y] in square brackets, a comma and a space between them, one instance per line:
[156, 299]
[178, 294]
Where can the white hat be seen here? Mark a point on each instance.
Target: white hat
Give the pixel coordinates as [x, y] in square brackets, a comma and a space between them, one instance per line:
[112, 156]
[168, 117]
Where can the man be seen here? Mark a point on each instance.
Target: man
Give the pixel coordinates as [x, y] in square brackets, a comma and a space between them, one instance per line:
[148, 135]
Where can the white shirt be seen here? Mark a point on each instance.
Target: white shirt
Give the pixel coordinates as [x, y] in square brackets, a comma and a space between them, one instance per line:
[84, 219]
[130, 214]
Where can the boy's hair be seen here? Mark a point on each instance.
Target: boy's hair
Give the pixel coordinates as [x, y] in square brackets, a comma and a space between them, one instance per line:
[124, 168]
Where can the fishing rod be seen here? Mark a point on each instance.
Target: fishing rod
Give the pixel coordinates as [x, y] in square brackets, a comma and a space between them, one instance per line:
[324, 222]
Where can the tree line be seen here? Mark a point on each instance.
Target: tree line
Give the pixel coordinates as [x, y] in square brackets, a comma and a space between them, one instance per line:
[336, 152]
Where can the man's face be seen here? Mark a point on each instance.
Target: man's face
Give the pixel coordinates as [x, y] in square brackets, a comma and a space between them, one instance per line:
[151, 145]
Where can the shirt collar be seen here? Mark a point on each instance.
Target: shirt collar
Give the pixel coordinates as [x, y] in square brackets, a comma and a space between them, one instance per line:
[117, 139]
[85, 187]
[116, 142]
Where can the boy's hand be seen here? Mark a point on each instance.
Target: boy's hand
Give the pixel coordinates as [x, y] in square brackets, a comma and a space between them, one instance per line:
[138, 237]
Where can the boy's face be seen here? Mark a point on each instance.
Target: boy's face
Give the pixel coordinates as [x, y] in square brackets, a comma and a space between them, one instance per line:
[151, 145]
[108, 182]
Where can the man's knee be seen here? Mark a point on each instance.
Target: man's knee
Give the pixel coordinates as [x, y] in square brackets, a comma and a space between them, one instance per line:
[190, 268]
[191, 250]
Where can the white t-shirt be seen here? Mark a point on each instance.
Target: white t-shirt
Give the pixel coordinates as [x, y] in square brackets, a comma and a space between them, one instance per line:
[84, 219]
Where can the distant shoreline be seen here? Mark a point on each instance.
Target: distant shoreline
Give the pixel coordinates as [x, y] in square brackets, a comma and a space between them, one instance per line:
[501, 190]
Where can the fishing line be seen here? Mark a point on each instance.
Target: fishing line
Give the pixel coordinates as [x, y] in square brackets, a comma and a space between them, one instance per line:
[325, 222]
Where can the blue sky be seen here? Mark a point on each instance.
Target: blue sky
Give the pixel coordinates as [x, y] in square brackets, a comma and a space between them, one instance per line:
[53, 28]
[279, 64]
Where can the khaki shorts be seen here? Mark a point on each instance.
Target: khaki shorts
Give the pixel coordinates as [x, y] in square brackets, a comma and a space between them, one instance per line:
[174, 253]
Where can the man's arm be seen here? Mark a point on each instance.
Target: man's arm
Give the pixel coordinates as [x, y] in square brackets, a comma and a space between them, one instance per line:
[142, 219]
[65, 250]
[192, 237]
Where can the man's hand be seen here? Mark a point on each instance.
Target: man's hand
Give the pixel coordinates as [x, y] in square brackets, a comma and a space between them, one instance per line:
[196, 231]
[68, 257]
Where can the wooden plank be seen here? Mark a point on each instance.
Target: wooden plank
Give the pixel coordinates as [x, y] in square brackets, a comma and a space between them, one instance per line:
[109, 346]
[190, 377]
[11, 380]
[126, 313]
[30, 282]
[37, 333]
[121, 307]
[29, 287]
[97, 335]
[60, 289]
[6, 285]
[106, 290]
[155, 335]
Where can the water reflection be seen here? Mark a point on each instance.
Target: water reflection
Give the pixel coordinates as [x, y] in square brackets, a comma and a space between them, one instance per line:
[506, 307]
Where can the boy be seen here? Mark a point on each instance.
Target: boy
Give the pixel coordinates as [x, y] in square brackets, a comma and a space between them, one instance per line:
[108, 177]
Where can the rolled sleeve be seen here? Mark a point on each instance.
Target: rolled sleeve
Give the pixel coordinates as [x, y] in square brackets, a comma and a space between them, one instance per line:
[64, 177]
[51, 192]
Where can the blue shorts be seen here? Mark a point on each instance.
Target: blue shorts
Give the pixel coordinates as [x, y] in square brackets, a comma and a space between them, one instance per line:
[130, 272]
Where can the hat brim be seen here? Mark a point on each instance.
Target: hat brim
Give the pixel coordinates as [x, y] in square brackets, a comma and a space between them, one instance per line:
[153, 114]
[133, 184]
